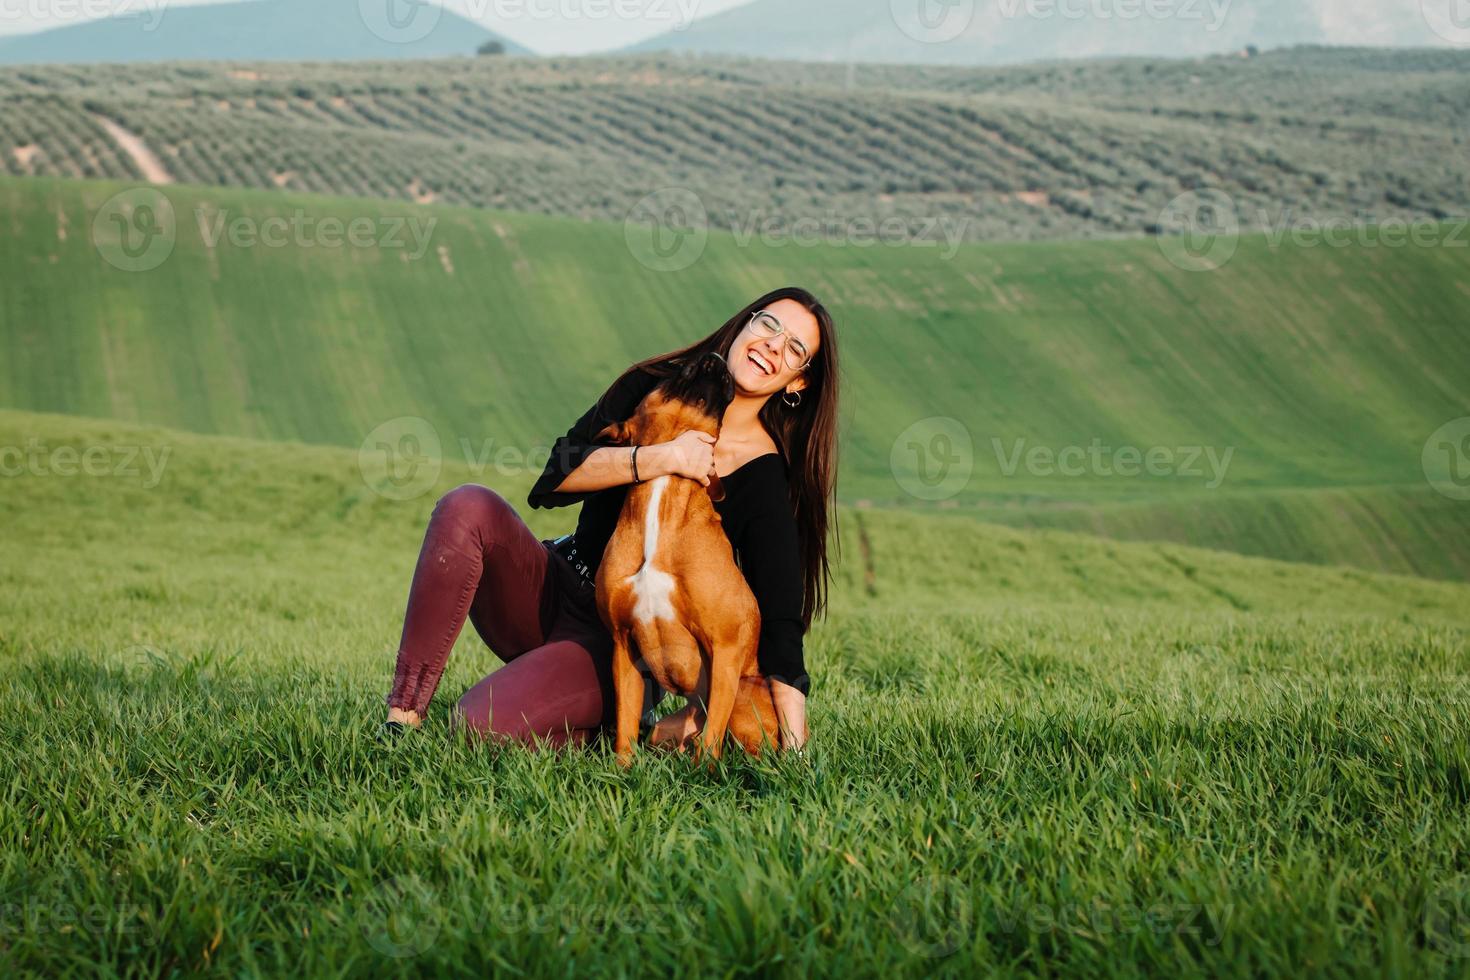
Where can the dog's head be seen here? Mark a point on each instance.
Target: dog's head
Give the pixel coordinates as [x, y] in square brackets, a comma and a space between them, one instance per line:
[705, 384]
[694, 398]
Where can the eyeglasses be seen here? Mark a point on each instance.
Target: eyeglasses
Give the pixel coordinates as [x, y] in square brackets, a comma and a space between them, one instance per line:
[795, 352]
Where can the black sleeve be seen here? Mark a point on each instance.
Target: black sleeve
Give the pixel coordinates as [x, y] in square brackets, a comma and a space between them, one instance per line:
[571, 449]
[770, 558]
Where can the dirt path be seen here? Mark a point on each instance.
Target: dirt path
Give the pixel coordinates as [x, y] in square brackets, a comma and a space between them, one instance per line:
[151, 167]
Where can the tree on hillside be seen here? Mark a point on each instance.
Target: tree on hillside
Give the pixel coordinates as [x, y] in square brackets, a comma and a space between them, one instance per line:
[491, 47]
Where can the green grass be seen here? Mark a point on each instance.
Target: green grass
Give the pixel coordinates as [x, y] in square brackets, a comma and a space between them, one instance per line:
[1409, 530]
[1317, 369]
[1034, 753]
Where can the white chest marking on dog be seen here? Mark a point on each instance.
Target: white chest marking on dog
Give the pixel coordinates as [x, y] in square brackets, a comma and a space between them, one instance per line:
[653, 589]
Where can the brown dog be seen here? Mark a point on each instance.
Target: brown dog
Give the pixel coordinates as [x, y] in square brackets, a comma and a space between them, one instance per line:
[668, 588]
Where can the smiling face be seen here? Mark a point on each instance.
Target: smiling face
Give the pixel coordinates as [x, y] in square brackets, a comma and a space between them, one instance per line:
[759, 362]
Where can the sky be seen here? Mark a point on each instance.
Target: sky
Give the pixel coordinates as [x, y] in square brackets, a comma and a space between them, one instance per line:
[544, 26]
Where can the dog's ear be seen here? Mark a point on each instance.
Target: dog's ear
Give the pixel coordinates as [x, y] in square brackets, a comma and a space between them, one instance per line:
[615, 434]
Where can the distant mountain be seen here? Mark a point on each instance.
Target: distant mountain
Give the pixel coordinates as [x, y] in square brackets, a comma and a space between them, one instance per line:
[975, 32]
[260, 30]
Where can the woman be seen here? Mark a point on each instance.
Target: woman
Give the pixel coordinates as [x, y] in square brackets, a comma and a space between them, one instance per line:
[533, 601]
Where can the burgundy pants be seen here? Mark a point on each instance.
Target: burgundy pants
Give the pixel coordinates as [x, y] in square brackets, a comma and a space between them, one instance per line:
[479, 559]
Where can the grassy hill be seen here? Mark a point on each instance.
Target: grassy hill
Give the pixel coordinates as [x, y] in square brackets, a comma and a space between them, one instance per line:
[1033, 152]
[1018, 738]
[1316, 374]
[255, 30]
[1411, 529]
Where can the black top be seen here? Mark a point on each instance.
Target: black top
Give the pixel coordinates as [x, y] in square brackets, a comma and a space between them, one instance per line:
[756, 515]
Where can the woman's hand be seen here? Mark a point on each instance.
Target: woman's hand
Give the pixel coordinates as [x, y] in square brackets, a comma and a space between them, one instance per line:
[674, 730]
[677, 729]
[691, 454]
[790, 715]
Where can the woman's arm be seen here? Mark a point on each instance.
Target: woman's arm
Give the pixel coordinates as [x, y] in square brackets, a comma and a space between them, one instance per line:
[580, 444]
[612, 466]
[582, 462]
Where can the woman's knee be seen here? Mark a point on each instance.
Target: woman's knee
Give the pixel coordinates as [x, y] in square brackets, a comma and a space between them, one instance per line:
[471, 715]
[474, 717]
[474, 509]
[478, 728]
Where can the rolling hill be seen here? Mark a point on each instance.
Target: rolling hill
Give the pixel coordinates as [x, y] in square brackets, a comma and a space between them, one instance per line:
[199, 662]
[1010, 32]
[1319, 372]
[1079, 150]
[226, 412]
[256, 30]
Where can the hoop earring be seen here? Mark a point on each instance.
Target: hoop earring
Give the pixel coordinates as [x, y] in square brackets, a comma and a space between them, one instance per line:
[788, 401]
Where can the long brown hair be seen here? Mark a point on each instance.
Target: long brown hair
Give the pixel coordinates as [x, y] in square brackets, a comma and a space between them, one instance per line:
[806, 435]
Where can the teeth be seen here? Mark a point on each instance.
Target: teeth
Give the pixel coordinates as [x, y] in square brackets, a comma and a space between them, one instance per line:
[760, 364]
